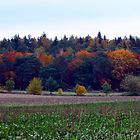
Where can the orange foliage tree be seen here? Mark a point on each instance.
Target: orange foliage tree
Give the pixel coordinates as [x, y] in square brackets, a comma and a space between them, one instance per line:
[82, 54]
[45, 59]
[79, 59]
[123, 62]
[80, 90]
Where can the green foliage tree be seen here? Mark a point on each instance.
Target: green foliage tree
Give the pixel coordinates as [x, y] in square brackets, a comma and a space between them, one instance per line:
[35, 86]
[83, 74]
[106, 88]
[26, 69]
[131, 84]
[58, 67]
[43, 74]
[101, 69]
[10, 85]
[51, 85]
[44, 42]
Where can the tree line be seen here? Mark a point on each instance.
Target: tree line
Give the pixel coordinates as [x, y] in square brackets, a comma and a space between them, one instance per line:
[69, 61]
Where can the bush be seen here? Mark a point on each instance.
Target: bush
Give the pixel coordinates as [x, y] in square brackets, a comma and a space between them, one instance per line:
[35, 86]
[106, 87]
[131, 84]
[60, 91]
[10, 85]
[80, 90]
[75, 88]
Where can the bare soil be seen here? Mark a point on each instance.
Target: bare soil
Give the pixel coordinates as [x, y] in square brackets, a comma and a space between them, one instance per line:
[39, 100]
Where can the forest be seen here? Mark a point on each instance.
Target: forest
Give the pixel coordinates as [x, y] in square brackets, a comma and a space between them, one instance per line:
[88, 61]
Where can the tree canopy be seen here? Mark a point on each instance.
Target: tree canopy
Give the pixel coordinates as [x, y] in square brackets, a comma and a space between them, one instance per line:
[89, 61]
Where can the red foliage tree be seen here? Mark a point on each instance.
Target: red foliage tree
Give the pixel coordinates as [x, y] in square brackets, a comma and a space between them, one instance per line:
[11, 56]
[74, 64]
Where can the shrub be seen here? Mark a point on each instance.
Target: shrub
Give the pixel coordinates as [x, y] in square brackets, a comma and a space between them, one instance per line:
[131, 84]
[10, 85]
[51, 85]
[2, 87]
[60, 91]
[35, 86]
[80, 90]
[76, 87]
[106, 88]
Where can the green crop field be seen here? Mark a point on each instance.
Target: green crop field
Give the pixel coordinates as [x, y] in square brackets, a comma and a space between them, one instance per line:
[100, 121]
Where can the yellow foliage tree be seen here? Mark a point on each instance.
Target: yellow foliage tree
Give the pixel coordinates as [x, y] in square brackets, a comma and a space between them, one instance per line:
[35, 86]
[60, 91]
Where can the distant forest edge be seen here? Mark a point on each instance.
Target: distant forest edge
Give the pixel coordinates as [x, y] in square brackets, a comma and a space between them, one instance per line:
[69, 61]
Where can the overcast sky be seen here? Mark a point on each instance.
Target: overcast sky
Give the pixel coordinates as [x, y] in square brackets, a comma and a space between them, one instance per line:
[78, 17]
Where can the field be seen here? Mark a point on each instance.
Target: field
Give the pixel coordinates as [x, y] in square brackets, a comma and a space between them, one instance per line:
[97, 121]
[24, 99]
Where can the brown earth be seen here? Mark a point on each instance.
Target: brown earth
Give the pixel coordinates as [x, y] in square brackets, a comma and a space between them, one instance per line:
[39, 100]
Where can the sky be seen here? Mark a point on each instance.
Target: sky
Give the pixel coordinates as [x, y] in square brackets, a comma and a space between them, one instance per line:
[113, 18]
